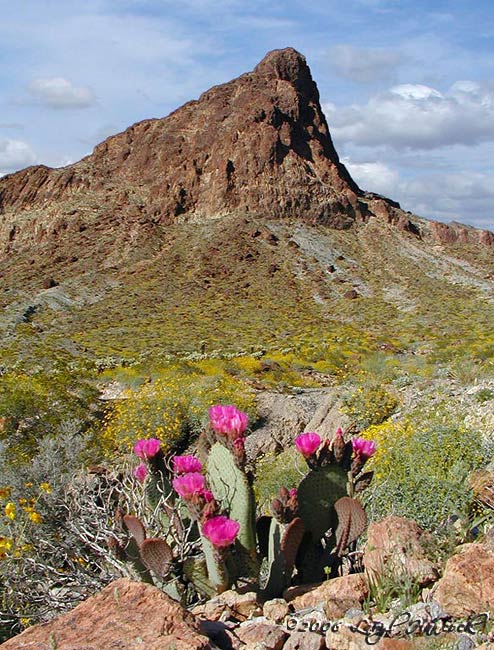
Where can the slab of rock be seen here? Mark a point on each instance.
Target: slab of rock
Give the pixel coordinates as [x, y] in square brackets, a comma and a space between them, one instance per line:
[336, 596]
[276, 609]
[271, 636]
[467, 585]
[242, 606]
[126, 615]
[396, 546]
[305, 641]
[284, 417]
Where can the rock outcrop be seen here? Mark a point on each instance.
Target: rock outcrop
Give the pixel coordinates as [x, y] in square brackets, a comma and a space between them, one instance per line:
[125, 615]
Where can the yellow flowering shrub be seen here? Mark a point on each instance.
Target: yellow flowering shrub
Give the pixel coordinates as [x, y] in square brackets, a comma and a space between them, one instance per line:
[421, 467]
[170, 408]
[369, 404]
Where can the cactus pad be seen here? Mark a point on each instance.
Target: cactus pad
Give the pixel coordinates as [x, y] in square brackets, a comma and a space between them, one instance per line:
[290, 542]
[231, 488]
[157, 556]
[135, 527]
[317, 494]
[352, 522]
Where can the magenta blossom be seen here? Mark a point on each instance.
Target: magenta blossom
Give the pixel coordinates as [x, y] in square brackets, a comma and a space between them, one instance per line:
[208, 496]
[186, 464]
[228, 420]
[293, 493]
[307, 443]
[363, 448]
[220, 530]
[147, 448]
[140, 472]
[189, 485]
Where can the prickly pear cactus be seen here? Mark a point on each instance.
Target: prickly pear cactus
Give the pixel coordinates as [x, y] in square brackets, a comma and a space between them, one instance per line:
[283, 544]
[196, 571]
[317, 494]
[217, 571]
[231, 488]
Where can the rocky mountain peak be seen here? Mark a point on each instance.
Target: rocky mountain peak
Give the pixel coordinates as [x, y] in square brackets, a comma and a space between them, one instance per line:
[258, 146]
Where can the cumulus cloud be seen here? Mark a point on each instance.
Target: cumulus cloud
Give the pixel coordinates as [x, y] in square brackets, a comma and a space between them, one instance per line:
[15, 154]
[465, 196]
[57, 92]
[363, 64]
[412, 116]
[373, 176]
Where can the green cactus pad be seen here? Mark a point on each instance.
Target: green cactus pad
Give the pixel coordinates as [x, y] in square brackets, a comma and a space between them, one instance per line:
[317, 494]
[217, 571]
[277, 577]
[231, 488]
[195, 569]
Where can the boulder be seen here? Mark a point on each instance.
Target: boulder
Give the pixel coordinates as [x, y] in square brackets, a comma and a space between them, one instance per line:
[126, 615]
[467, 585]
[335, 596]
[397, 547]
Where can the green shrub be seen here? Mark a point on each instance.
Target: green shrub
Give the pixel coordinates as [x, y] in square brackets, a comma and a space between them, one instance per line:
[422, 465]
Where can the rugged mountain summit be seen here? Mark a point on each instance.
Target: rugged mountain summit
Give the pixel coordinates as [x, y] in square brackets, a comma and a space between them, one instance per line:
[223, 206]
[259, 144]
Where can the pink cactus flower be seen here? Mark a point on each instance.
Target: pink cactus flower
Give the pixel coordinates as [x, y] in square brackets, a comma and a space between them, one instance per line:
[189, 485]
[293, 493]
[220, 530]
[339, 432]
[186, 464]
[140, 472]
[228, 420]
[208, 496]
[363, 448]
[147, 448]
[239, 443]
[307, 443]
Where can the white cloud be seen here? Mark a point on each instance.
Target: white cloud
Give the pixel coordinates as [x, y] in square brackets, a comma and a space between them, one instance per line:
[57, 92]
[363, 64]
[418, 117]
[463, 196]
[373, 176]
[15, 154]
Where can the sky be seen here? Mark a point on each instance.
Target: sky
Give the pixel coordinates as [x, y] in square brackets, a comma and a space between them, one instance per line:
[407, 86]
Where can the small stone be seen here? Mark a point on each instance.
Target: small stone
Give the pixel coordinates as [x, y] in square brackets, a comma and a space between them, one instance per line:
[336, 596]
[305, 641]
[271, 636]
[242, 606]
[276, 609]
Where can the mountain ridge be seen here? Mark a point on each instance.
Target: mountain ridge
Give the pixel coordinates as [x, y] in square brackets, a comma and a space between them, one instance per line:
[202, 220]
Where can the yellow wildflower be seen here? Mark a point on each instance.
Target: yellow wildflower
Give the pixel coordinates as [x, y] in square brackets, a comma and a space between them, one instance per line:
[10, 510]
[35, 517]
[5, 492]
[46, 487]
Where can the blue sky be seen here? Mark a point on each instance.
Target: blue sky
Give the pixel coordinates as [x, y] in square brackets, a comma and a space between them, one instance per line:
[407, 87]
